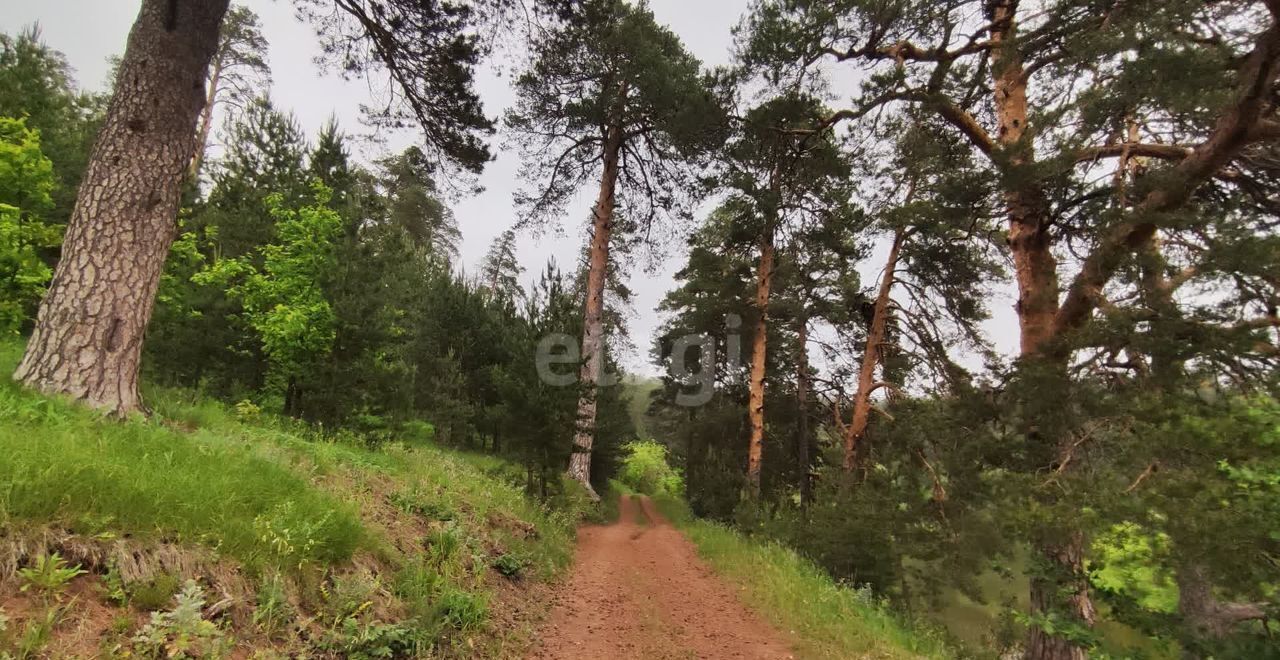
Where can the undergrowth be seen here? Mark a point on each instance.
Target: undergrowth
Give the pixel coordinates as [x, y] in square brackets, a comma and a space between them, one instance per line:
[387, 551]
[826, 619]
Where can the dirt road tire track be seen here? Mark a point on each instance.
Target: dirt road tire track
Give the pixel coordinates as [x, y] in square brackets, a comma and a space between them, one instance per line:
[638, 590]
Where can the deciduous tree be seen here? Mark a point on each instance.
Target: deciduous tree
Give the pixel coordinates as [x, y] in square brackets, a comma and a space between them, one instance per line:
[26, 184]
[36, 82]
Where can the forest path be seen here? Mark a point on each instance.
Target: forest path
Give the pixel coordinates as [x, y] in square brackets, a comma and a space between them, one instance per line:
[638, 590]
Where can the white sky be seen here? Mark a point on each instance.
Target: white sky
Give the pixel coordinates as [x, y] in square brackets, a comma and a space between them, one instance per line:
[89, 31]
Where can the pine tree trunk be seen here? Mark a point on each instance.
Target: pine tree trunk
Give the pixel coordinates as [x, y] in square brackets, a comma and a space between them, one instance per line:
[755, 400]
[206, 121]
[1203, 612]
[803, 456]
[593, 320]
[1064, 589]
[87, 341]
[857, 427]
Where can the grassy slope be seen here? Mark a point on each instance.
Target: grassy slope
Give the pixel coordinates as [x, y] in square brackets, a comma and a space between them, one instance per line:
[344, 551]
[826, 619]
[408, 535]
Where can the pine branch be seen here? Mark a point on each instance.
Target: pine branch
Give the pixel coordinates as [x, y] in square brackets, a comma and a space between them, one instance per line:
[1164, 151]
[965, 122]
[1235, 129]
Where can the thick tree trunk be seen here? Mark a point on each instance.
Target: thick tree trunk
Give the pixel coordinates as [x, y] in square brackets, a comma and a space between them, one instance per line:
[88, 336]
[1064, 589]
[1035, 268]
[871, 356]
[1203, 612]
[759, 353]
[593, 320]
[206, 121]
[803, 456]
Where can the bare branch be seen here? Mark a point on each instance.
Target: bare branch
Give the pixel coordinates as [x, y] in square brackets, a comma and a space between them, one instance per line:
[1151, 469]
[1165, 151]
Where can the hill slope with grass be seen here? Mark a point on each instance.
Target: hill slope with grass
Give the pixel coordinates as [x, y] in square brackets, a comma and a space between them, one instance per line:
[208, 529]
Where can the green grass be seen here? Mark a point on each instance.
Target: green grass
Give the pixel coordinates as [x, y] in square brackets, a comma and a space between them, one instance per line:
[199, 472]
[825, 619]
[67, 466]
[282, 498]
[285, 499]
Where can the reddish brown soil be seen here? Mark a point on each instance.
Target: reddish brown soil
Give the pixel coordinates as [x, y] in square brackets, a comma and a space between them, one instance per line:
[639, 591]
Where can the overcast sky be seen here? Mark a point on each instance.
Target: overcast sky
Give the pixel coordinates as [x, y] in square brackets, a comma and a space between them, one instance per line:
[89, 31]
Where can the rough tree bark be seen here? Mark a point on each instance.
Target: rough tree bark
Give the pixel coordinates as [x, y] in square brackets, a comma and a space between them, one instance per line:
[871, 356]
[1063, 583]
[759, 353]
[593, 321]
[87, 341]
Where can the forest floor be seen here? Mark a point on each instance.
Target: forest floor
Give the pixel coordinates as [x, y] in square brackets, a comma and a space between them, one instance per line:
[639, 590]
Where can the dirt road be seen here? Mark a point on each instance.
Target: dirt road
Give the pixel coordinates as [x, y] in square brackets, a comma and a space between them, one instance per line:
[638, 590]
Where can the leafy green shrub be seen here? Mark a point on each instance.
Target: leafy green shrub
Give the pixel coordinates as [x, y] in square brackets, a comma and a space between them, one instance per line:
[356, 641]
[248, 411]
[1124, 563]
[508, 565]
[155, 593]
[416, 502]
[282, 299]
[26, 181]
[113, 582]
[49, 574]
[645, 469]
[182, 632]
[370, 425]
[417, 432]
[462, 610]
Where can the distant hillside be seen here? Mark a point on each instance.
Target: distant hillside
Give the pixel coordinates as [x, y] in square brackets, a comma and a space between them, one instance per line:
[638, 390]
